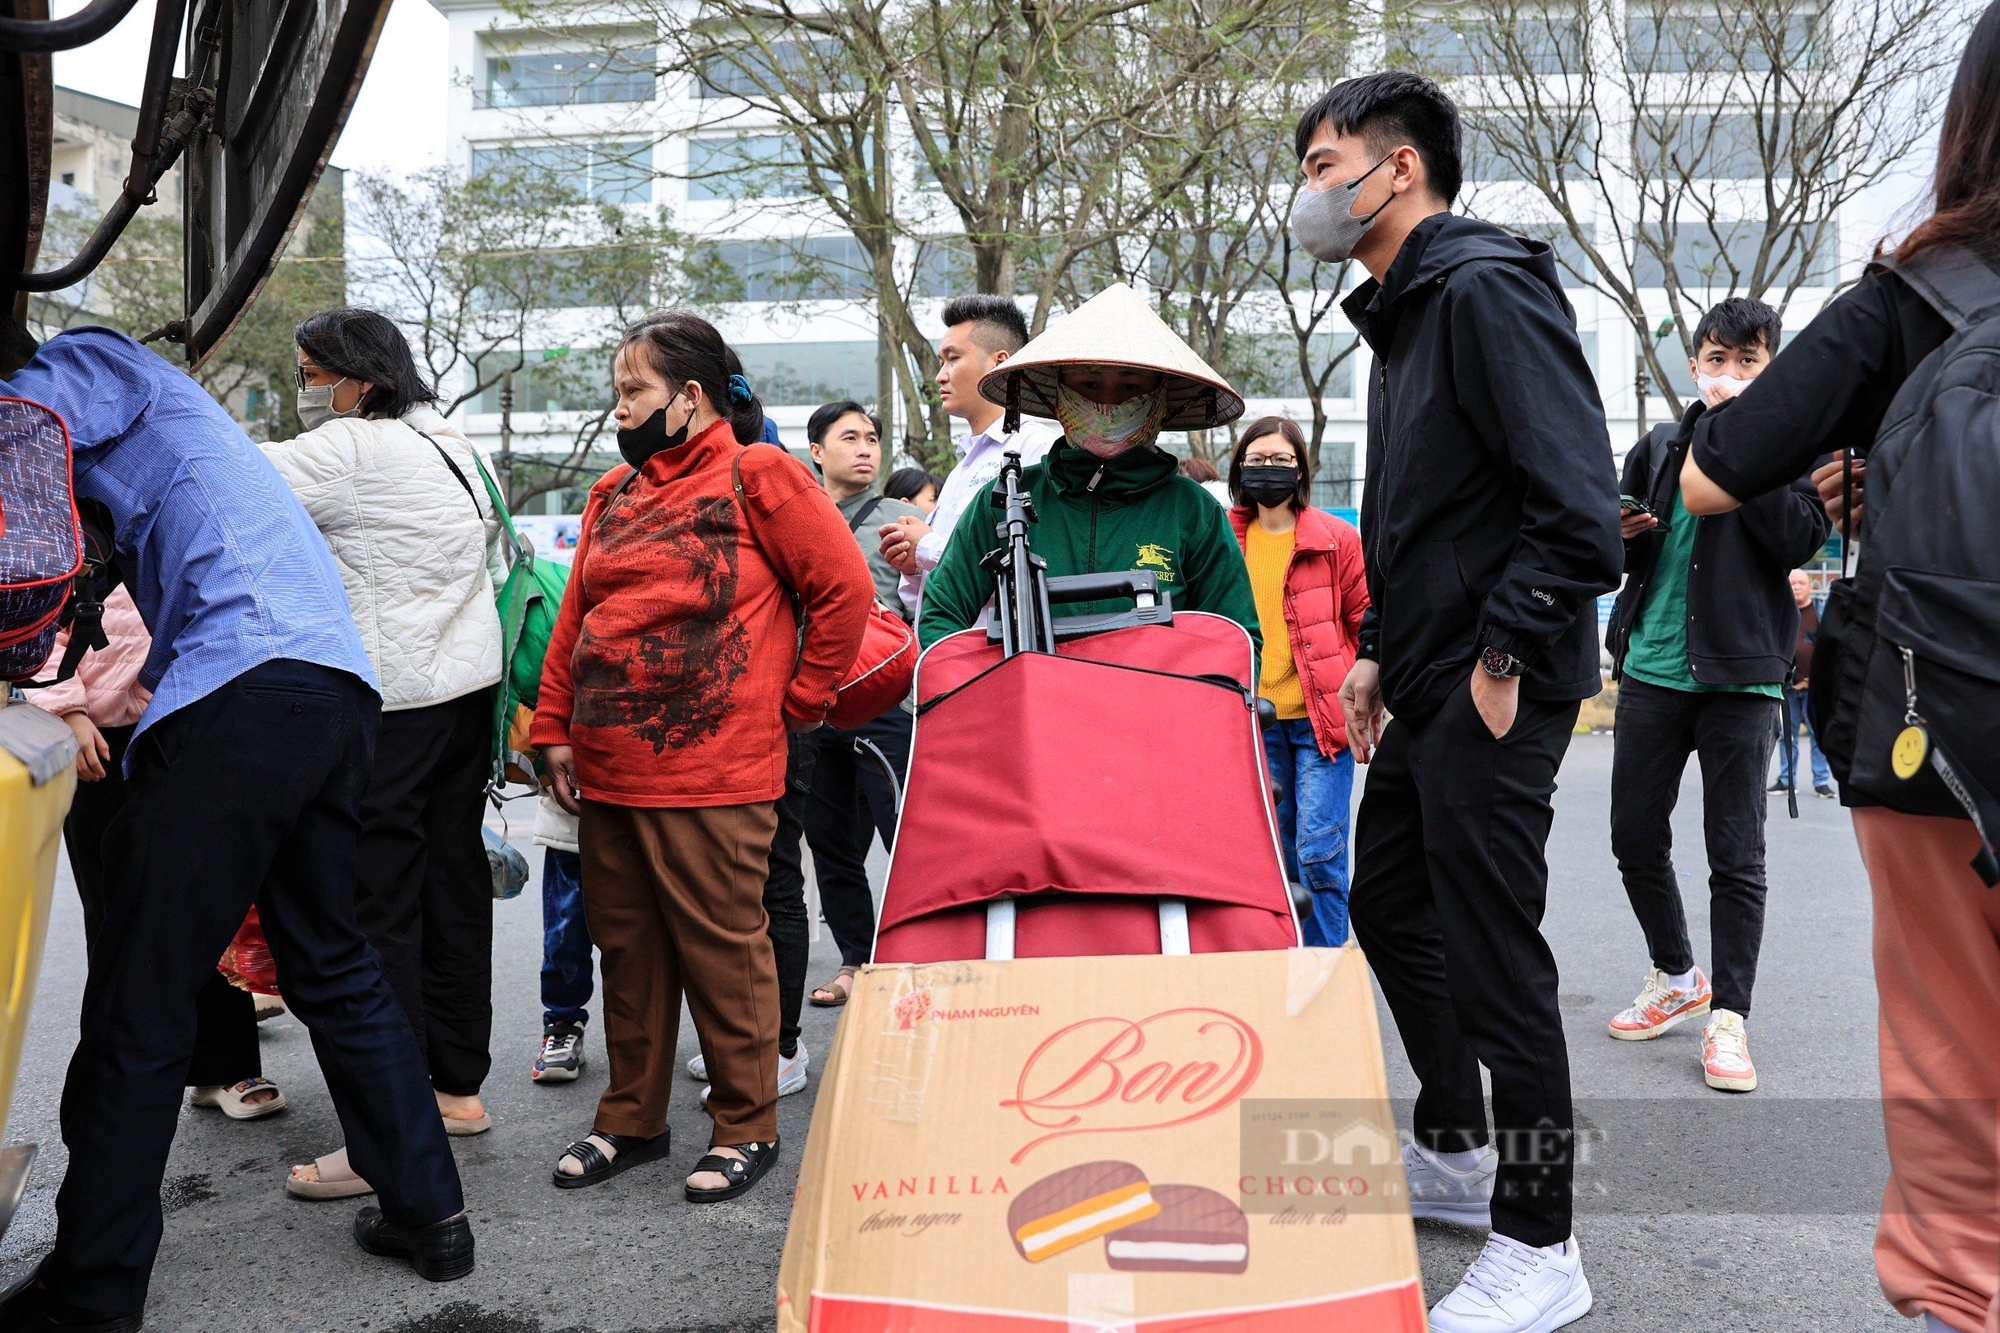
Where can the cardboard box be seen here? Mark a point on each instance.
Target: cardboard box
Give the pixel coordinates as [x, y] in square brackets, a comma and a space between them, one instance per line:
[1095, 1145]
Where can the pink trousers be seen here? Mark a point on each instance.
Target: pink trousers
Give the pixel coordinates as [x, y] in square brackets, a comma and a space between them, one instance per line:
[1937, 970]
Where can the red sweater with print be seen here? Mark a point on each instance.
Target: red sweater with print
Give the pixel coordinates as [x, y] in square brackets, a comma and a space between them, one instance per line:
[676, 656]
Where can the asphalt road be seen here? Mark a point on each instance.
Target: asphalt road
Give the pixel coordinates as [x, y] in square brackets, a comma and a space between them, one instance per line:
[1700, 1211]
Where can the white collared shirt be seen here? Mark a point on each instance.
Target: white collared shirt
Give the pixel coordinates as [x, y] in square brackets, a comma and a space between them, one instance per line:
[980, 460]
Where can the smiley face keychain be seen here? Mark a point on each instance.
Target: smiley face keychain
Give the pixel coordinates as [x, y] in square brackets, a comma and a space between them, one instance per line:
[1912, 747]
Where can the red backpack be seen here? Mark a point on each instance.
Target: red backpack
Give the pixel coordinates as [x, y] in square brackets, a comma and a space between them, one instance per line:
[41, 535]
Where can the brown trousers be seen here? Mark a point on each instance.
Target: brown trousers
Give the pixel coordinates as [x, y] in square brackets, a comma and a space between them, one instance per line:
[675, 902]
[1937, 972]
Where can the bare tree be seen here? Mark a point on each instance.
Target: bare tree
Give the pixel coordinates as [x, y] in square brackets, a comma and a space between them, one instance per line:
[138, 289]
[489, 276]
[1309, 292]
[1677, 151]
[1007, 135]
[1218, 257]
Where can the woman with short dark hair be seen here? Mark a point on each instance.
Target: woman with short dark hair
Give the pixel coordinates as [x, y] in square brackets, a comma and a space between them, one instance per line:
[1306, 575]
[401, 498]
[676, 668]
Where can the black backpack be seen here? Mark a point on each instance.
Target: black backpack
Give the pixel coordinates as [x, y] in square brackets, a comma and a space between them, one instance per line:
[1906, 669]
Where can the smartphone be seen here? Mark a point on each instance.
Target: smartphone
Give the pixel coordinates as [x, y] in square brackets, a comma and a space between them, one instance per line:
[1632, 504]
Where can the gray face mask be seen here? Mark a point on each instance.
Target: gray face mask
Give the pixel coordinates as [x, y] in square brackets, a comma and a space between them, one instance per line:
[316, 405]
[1323, 221]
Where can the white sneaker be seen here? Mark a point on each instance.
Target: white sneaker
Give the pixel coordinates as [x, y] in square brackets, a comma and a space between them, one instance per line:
[1516, 1288]
[791, 1073]
[698, 1068]
[1661, 1007]
[1725, 1053]
[1439, 1192]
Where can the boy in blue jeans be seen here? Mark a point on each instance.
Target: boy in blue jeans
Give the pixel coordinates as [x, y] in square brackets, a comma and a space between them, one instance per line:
[566, 975]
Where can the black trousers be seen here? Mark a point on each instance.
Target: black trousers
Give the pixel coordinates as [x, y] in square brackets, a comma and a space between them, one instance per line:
[1656, 731]
[225, 1029]
[790, 928]
[1450, 882]
[851, 802]
[425, 899]
[251, 793]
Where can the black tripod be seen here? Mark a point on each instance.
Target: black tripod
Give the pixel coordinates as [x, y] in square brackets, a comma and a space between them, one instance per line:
[1024, 592]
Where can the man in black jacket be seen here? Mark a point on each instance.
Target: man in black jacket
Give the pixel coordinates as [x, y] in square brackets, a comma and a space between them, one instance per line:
[1702, 640]
[1490, 526]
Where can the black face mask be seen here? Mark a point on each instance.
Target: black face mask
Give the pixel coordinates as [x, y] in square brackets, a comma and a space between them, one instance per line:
[650, 436]
[1271, 486]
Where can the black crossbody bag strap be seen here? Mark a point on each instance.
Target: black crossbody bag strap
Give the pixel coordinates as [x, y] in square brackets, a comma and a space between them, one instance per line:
[862, 514]
[456, 471]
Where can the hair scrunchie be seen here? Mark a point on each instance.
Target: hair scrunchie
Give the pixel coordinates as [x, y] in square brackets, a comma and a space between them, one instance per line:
[739, 391]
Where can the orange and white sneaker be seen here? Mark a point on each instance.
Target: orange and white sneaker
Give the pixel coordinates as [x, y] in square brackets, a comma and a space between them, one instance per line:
[1662, 1006]
[1725, 1054]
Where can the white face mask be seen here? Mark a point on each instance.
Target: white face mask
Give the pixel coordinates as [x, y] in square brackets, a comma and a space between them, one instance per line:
[1729, 384]
[316, 405]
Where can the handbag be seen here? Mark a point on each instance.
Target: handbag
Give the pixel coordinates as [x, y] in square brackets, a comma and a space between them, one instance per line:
[505, 863]
[887, 662]
[247, 963]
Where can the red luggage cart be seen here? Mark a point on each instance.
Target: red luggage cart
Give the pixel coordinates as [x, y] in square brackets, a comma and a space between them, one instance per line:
[1084, 785]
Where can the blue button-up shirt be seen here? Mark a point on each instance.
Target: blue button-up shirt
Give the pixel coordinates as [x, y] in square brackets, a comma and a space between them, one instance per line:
[225, 565]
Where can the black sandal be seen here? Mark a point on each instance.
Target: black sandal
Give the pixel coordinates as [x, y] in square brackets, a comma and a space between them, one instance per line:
[632, 1151]
[741, 1173]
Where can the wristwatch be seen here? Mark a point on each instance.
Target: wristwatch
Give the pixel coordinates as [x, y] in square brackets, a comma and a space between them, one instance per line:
[1500, 664]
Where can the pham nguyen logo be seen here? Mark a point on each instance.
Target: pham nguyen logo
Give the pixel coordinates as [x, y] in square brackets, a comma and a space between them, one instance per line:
[918, 1007]
[911, 1010]
[1121, 1075]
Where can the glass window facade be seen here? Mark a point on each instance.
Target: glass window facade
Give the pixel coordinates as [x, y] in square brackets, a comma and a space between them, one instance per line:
[1680, 38]
[1499, 146]
[753, 71]
[602, 171]
[744, 166]
[807, 374]
[1699, 261]
[549, 380]
[562, 78]
[822, 268]
[1266, 365]
[1439, 43]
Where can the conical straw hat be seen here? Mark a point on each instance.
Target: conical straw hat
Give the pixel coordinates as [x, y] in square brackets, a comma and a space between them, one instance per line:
[1115, 328]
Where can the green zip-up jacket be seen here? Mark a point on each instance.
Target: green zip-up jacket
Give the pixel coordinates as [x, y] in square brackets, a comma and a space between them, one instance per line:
[1133, 512]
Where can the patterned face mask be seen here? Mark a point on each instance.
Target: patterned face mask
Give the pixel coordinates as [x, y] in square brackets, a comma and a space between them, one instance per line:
[1108, 431]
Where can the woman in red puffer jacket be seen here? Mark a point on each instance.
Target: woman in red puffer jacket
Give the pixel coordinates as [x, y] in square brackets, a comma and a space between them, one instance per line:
[1306, 573]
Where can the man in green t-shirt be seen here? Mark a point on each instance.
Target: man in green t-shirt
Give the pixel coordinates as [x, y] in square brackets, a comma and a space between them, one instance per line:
[1702, 639]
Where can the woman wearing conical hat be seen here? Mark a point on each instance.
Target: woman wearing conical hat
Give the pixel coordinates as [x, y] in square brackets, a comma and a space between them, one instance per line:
[1109, 499]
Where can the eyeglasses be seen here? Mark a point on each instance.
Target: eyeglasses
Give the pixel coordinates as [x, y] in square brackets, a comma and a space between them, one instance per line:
[299, 373]
[1269, 460]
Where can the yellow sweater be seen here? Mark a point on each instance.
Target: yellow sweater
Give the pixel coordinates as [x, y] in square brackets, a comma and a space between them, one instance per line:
[1268, 554]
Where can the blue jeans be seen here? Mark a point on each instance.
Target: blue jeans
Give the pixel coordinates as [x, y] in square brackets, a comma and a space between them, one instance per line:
[1791, 718]
[1315, 792]
[566, 980]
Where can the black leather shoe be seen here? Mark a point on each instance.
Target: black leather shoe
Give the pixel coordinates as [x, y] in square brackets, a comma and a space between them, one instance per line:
[440, 1252]
[26, 1306]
